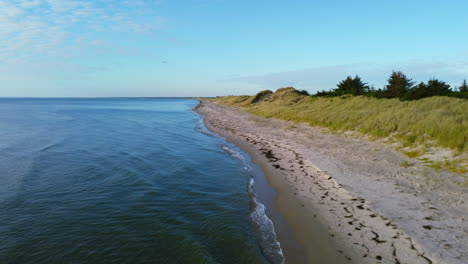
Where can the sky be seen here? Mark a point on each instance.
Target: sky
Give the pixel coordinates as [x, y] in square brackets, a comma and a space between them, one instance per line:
[152, 48]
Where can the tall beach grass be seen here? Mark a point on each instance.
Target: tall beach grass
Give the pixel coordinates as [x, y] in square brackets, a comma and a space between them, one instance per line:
[438, 121]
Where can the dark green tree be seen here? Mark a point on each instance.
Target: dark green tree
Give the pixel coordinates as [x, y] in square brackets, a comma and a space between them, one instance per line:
[464, 87]
[303, 92]
[433, 87]
[398, 86]
[419, 91]
[354, 86]
[436, 87]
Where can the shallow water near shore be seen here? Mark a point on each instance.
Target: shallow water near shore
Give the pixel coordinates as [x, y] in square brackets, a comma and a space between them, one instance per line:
[124, 181]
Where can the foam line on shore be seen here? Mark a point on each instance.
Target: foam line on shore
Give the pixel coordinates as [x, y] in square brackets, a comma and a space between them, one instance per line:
[374, 210]
[263, 226]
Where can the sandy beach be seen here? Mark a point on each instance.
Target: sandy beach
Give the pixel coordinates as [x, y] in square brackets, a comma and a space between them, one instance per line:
[367, 207]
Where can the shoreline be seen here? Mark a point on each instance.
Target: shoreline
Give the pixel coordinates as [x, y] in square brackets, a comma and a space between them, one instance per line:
[342, 199]
[293, 250]
[262, 195]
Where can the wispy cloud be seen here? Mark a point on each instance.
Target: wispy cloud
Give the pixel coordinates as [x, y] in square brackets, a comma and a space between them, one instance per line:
[326, 77]
[33, 29]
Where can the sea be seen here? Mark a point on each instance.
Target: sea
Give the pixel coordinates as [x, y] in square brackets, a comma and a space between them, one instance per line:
[120, 180]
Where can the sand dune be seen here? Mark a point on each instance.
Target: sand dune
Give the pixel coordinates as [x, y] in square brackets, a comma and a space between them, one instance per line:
[373, 209]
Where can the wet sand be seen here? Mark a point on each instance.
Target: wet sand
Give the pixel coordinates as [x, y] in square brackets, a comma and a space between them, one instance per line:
[348, 200]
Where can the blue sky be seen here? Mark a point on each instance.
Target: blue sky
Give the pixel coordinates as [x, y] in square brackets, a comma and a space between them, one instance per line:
[81, 48]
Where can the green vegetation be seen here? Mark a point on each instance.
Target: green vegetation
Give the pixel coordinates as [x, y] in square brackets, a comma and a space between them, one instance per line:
[464, 87]
[442, 121]
[261, 96]
[398, 86]
[413, 154]
[417, 116]
[353, 86]
[303, 92]
[405, 164]
[439, 121]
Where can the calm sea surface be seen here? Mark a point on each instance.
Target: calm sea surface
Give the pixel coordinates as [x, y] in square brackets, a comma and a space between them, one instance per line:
[124, 181]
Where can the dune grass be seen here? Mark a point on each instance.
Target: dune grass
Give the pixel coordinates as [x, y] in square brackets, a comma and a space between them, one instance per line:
[434, 121]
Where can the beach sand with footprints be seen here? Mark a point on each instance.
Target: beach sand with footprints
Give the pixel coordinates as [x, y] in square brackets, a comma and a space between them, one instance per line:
[355, 191]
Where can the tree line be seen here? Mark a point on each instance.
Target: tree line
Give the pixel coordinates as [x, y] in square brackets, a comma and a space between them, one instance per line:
[398, 86]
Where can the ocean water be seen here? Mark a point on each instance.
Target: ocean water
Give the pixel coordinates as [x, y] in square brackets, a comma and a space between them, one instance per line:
[124, 181]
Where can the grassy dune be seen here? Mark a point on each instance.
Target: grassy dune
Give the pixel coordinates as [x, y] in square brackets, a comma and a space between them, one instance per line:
[434, 121]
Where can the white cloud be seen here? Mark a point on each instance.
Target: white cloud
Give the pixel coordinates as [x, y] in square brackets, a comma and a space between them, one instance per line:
[326, 77]
[9, 10]
[28, 3]
[32, 29]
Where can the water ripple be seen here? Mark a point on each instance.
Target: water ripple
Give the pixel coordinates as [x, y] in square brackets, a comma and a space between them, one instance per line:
[119, 181]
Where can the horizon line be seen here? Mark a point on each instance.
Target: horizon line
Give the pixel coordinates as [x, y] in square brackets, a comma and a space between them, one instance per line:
[105, 97]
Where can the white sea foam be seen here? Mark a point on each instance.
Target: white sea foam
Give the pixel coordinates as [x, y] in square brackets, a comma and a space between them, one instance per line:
[200, 127]
[236, 155]
[263, 225]
[265, 230]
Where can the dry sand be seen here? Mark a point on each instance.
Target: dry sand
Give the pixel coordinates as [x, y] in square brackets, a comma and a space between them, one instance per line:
[372, 209]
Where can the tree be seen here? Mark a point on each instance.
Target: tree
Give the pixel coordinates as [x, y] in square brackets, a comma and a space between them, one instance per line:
[436, 87]
[464, 87]
[303, 92]
[419, 91]
[398, 85]
[433, 87]
[354, 86]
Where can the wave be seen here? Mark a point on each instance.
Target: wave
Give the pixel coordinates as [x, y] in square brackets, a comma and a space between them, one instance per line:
[236, 155]
[265, 230]
[49, 146]
[200, 127]
[263, 226]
